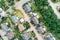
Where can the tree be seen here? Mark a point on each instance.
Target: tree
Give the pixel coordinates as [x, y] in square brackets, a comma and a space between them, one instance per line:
[26, 25]
[48, 16]
[55, 1]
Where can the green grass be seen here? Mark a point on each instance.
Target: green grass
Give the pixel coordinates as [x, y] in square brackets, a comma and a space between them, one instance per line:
[0, 38]
[17, 33]
[19, 14]
[33, 7]
[3, 5]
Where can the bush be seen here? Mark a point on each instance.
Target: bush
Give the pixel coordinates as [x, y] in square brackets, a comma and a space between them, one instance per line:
[55, 1]
[26, 25]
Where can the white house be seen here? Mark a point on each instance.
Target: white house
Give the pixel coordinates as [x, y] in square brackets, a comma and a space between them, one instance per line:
[33, 14]
[21, 20]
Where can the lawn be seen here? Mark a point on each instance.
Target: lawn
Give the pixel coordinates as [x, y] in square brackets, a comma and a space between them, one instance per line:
[19, 14]
[0, 38]
[18, 34]
[39, 15]
[10, 22]
[33, 6]
[18, 22]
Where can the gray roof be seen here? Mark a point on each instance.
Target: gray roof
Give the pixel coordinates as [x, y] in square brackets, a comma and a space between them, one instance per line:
[35, 20]
[9, 33]
[4, 26]
[27, 7]
[48, 37]
[25, 36]
[14, 18]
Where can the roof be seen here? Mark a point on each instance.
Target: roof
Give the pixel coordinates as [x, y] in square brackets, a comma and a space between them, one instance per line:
[25, 36]
[35, 20]
[10, 35]
[21, 27]
[33, 14]
[38, 25]
[14, 18]
[48, 37]
[4, 26]
[21, 20]
[41, 30]
[27, 7]
[2, 13]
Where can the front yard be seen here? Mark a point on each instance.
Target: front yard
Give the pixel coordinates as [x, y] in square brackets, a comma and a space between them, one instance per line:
[18, 13]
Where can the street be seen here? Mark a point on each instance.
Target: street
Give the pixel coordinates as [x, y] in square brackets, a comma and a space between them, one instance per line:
[54, 5]
[27, 18]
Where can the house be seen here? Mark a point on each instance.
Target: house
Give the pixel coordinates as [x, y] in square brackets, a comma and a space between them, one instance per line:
[14, 18]
[27, 7]
[35, 20]
[21, 20]
[4, 26]
[9, 34]
[26, 36]
[21, 27]
[2, 33]
[33, 14]
[8, 31]
[32, 0]
[38, 25]
[40, 29]
[48, 36]
[2, 13]
[10, 10]
[58, 8]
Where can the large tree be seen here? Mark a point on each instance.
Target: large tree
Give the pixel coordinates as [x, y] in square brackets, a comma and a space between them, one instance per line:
[49, 17]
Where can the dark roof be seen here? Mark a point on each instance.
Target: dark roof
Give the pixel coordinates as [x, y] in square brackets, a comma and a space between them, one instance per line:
[38, 25]
[48, 38]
